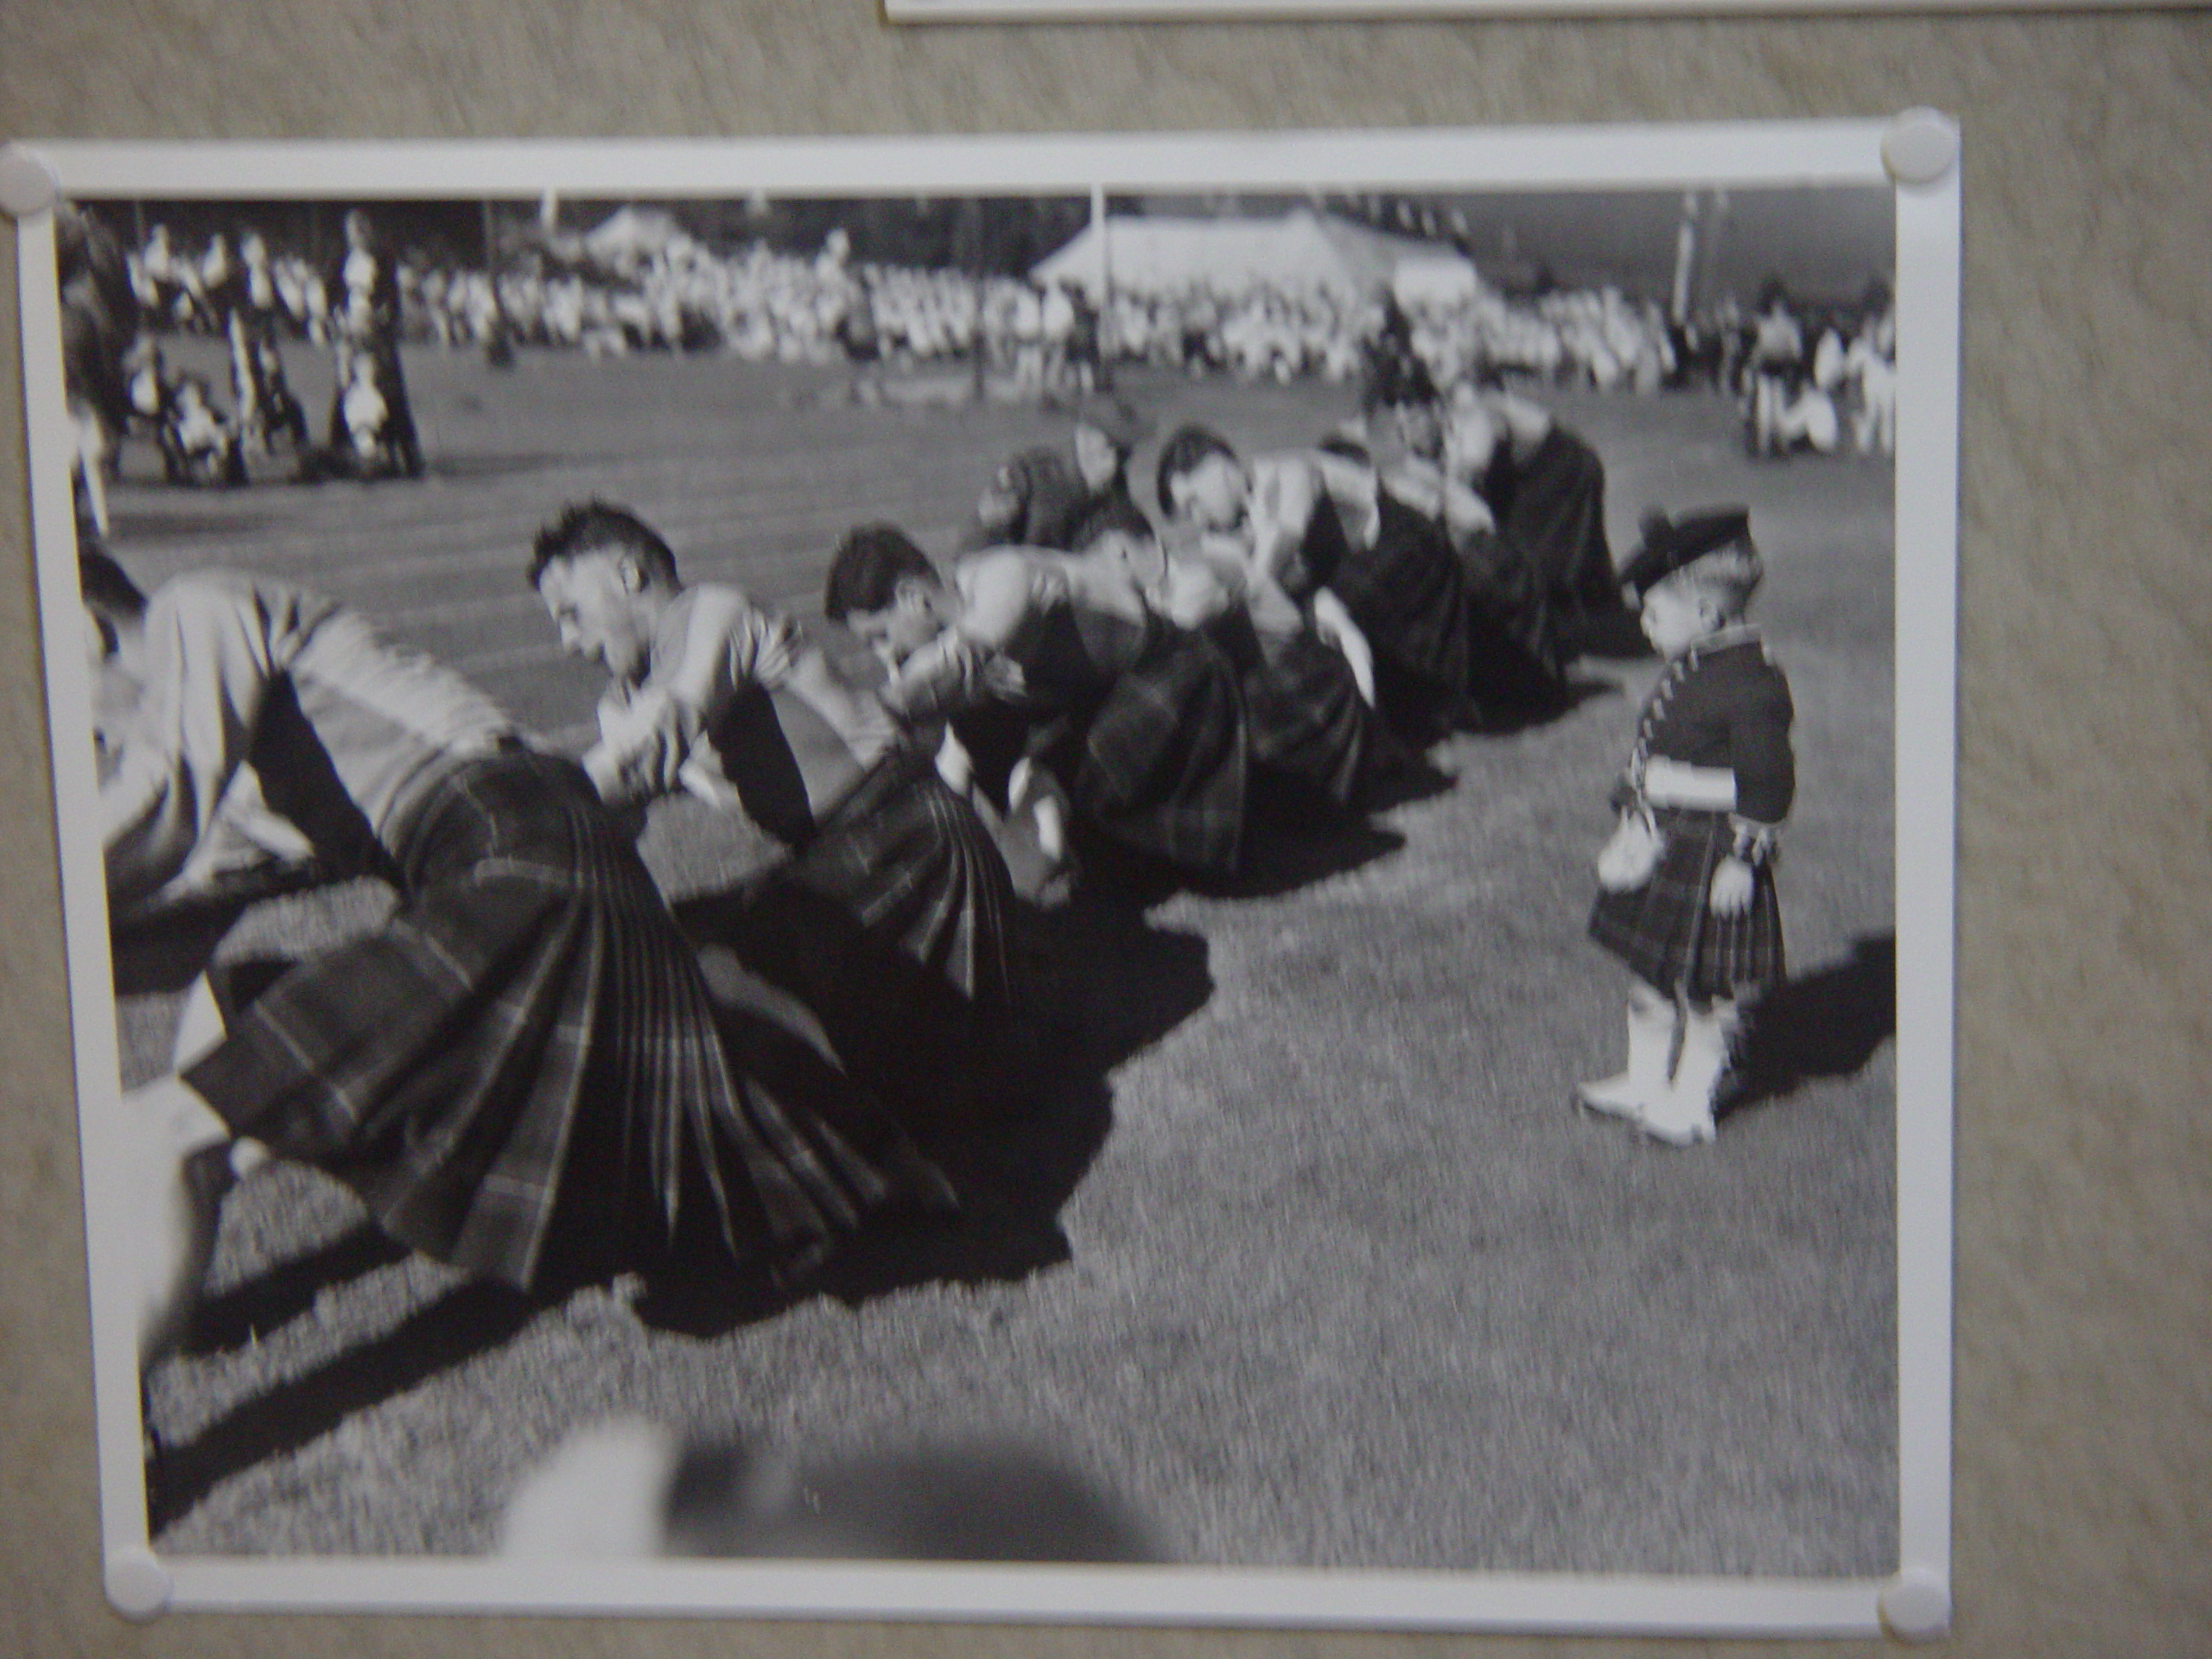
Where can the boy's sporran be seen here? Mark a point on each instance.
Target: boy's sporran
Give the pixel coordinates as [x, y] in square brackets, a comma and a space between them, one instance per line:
[1630, 856]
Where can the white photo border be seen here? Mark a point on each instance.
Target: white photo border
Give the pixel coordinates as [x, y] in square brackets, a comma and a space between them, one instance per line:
[1736, 154]
[1254, 11]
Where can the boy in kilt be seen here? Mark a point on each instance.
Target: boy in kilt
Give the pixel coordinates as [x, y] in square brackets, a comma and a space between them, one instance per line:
[891, 918]
[520, 1072]
[1687, 895]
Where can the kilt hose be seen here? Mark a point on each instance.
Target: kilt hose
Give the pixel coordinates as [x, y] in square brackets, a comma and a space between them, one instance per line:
[893, 924]
[1668, 939]
[521, 1073]
[1159, 763]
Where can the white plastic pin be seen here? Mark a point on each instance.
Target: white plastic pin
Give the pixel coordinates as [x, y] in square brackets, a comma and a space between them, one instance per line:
[1916, 1604]
[138, 1585]
[1920, 146]
[27, 183]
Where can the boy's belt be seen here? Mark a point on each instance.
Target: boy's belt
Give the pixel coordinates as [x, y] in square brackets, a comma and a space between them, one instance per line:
[1676, 782]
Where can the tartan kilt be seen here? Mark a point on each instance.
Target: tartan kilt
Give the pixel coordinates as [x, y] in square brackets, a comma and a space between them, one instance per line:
[1409, 594]
[1513, 635]
[1160, 765]
[911, 858]
[1663, 931]
[1558, 518]
[521, 1072]
[893, 925]
[1306, 718]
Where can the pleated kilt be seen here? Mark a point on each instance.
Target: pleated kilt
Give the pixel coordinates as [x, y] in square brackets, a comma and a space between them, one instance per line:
[521, 1072]
[1514, 654]
[1409, 594]
[1306, 716]
[1557, 517]
[1161, 764]
[1668, 936]
[909, 856]
[893, 924]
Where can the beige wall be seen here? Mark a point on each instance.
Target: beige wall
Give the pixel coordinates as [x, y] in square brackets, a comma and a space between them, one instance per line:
[2085, 1042]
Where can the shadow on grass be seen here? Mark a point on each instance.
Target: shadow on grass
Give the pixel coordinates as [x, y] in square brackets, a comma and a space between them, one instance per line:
[1407, 777]
[1825, 1024]
[165, 951]
[244, 1312]
[1511, 718]
[1115, 984]
[467, 1320]
[1282, 855]
[1616, 636]
[1108, 984]
[1523, 700]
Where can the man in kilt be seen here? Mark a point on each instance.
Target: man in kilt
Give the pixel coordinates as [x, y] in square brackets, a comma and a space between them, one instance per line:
[1437, 458]
[1688, 896]
[1310, 724]
[1107, 432]
[520, 1072]
[1381, 571]
[1031, 500]
[1266, 538]
[1141, 724]
[891, 919]
[1546, 487]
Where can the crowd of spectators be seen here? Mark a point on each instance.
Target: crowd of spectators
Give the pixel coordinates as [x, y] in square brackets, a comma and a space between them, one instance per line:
[1807, 380]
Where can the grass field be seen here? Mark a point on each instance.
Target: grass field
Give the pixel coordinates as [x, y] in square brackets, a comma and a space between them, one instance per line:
[1309, 1262]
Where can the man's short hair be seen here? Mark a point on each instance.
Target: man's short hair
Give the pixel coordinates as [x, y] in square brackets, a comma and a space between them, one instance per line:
[1186, 451]
[598, 527]
[865, 571]
[107, 585]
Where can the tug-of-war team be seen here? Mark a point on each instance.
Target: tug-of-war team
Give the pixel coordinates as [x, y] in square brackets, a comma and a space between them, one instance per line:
[535, 1069]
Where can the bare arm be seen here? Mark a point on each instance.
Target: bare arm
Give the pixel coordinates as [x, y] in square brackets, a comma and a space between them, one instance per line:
[1334, 624]
[647, 736]
[1285, 492]
[968, 663]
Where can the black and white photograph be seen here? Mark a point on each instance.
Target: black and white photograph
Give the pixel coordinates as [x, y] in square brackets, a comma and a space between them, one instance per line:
[1180, 864]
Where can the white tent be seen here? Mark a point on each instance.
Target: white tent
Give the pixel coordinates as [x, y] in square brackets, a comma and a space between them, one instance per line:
[1300, 249]
[630, 236]
[1442, 278]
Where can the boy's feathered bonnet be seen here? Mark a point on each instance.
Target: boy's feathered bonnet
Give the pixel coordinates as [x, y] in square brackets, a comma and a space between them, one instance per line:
[1712, 543]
